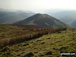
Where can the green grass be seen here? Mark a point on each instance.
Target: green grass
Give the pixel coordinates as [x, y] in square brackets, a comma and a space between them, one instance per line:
[52, 43]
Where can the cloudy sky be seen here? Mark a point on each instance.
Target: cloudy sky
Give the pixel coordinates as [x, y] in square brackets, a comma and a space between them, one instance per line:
[37, 5]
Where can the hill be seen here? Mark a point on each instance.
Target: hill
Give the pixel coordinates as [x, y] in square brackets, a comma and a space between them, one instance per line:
[74, 24]
[42, 20]
[66, 16]
[9, 17]
[13, 43]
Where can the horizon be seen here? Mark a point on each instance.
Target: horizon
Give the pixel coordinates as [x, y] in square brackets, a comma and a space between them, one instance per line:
[38, 5]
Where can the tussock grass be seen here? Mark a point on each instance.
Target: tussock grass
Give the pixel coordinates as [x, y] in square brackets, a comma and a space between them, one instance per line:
[10, 34]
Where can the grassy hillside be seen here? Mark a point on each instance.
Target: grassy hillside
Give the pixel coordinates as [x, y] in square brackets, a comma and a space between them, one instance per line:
[12, 34]
[46, 46]
[40, 45]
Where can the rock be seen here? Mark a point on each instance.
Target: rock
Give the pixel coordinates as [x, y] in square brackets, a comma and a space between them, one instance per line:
[4, 49]
[49, 53]
[48, 38]
[63, 49]
[25, 44]
[17, 51]
[43, 43]
[55, 48]
[29, 54]
[39, 40]
[18, 55]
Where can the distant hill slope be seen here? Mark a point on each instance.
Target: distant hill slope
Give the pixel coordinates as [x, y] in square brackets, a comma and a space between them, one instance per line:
[74, 24]
[9, 17]
[66, 16]
[42, 20]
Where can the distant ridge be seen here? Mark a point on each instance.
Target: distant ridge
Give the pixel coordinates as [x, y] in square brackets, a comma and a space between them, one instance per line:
[10, 17]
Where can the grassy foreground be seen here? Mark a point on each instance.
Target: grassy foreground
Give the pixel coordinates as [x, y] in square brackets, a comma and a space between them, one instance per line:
[50, 45]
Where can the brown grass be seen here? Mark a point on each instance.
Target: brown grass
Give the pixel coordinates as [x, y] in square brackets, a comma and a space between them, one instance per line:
[22, 34]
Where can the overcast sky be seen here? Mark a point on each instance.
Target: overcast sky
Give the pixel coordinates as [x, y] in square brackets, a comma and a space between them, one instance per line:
[36, 5]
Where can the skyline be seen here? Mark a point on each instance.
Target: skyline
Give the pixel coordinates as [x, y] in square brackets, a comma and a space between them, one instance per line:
[37, 5]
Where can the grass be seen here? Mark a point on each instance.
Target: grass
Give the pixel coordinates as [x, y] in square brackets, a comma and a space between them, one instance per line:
[12, 34]
[50, 45]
